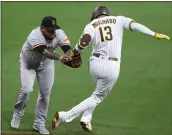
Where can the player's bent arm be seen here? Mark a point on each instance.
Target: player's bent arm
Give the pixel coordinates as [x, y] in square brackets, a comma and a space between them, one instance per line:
[50, 54]
[47, 52]
[143, 29]
[83, 43]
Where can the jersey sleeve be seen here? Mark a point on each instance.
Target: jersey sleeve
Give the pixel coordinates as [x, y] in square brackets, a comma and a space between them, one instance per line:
[35, 41]
[63, 39]
[126, 22]
[89, 29]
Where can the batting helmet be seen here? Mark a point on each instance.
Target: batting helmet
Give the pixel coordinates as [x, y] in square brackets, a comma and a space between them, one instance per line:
[99, 10]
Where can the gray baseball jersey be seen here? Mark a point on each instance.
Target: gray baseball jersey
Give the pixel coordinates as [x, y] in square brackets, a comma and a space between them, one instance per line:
[35, 39]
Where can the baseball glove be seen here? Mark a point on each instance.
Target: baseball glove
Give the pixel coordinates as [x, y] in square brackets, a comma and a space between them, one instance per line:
[76, 60]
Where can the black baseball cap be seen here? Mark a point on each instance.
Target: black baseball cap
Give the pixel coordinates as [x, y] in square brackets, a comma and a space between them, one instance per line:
[50, 23]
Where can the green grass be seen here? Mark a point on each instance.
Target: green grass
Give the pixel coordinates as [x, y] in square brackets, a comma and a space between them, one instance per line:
[141, 101]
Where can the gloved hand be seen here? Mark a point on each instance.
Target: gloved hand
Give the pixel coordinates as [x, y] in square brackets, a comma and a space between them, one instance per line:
[75, 61]
[161, 36]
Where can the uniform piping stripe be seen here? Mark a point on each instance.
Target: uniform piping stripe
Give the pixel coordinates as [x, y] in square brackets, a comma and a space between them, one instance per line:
[65, 44]
[130, 25]
[38, 45]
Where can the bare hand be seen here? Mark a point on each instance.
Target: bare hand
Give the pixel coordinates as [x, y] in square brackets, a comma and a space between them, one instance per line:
[65, 58]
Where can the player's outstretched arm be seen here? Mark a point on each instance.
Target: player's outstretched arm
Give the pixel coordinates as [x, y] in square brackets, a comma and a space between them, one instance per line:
[52, 55]
[143, 29]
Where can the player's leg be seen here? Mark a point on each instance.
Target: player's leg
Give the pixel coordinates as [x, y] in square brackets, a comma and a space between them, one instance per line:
[75, 111]
[109, 76]
[45, 80]
[89, 103]
[87, 115]
[103, 87]
[27, 81]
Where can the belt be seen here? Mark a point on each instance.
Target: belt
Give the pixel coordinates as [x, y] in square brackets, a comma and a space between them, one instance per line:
[110, 58]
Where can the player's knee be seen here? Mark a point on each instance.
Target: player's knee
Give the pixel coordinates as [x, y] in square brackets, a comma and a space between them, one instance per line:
[45, 92]
[27, 90]
[44, 96]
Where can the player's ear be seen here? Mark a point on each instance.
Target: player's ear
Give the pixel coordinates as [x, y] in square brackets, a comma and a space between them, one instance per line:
[42, 28]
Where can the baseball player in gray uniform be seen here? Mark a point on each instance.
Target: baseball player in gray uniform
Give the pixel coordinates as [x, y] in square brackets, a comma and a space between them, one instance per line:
[37, 60]
[105, 33]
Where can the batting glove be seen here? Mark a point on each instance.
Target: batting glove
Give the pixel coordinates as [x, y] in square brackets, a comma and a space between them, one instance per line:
[161, 36]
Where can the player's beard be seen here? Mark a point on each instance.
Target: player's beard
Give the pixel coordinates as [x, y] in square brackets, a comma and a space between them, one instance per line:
[47, 38]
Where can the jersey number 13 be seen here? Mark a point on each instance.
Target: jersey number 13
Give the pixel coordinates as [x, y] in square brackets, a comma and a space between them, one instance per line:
[105, 33]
